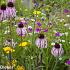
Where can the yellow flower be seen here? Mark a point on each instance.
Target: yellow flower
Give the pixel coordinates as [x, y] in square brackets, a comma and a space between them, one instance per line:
[23, 44]
[47, 9]
[36, 12]
[8, 49]
[20, 68]
[13, 63]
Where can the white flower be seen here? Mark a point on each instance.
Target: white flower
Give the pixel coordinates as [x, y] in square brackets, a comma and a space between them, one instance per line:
[52, 43]
[61, 20]
[15, 25]
[10, 42]
[66, 24]
[63, 40]
[66, 33]
[32, 20]
[6, 32]
[60, 58]
[42, 13]
[31, 57]
[68, 15]
[29, 26]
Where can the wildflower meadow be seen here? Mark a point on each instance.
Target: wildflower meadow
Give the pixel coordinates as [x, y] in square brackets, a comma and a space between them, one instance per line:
[34, 34]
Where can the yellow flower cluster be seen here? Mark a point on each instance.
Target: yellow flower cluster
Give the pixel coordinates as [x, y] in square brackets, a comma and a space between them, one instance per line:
[36, 12]
[23, 44]
[8, 49]
[20, 68]
[13, 62]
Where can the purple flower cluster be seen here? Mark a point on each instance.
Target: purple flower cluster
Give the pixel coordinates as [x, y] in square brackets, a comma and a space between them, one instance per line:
[46, 30]
[58, 34]
[30, 28]
[66, 11]
[68, 62]
[38, 30]
[38, 23]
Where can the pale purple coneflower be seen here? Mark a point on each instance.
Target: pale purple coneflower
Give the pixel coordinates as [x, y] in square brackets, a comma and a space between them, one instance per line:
[21, 30]
[41, 41]
[11, 11]
[11, 1]
[3, 13]
[57, 50]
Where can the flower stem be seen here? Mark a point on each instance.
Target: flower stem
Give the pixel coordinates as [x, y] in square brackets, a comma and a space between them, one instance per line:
[55, 64]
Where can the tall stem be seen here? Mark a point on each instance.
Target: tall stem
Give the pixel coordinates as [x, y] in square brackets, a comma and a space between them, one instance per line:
[54, 68]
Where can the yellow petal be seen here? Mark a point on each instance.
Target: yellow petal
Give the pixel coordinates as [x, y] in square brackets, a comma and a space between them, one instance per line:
[23, 44]
[8, 49]
[36, 12]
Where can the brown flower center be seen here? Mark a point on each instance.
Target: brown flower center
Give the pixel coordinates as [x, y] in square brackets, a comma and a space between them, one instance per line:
[10, 4]
[57, 45]
[41, 36]
[3, 7]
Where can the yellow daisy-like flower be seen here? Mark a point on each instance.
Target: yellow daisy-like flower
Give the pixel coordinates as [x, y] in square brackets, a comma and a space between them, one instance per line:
[23, 44]
[8, 49]
[20, 68]
[13, 63]
[36, 12]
